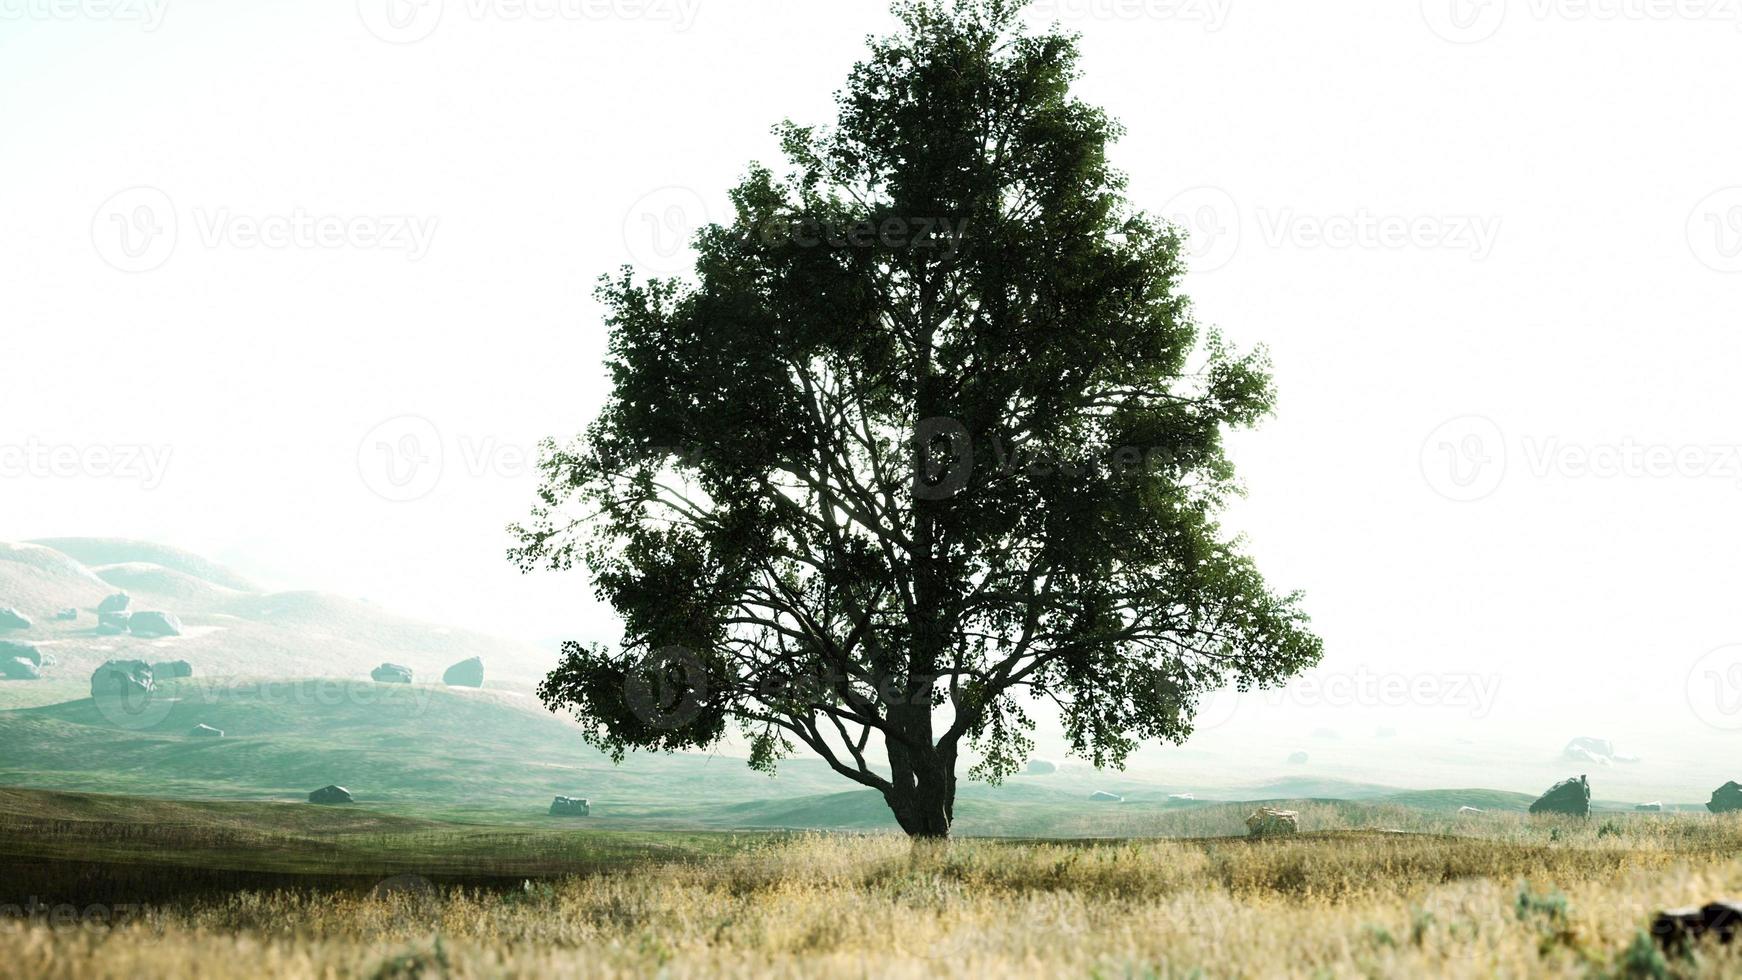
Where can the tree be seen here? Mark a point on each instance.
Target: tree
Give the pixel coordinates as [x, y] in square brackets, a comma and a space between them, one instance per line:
[930, 440]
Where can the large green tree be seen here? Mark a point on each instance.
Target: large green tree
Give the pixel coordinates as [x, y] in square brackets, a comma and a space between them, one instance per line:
[928, 442]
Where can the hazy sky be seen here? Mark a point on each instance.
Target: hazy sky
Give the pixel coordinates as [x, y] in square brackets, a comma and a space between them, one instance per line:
[301, 285]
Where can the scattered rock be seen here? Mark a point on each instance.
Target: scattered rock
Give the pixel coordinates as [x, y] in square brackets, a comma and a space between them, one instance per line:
[1675, 929]
[1726, 798]
[1041, 767]
[1266, 822]
[565, 806]
[1298, 759]
[20, 662]
[116, 603]
[1589, 747]
[153, 625]
[391, 674]
[169, 670]
[1102, 797]
[12, 619]
[1599, 751]
[1570, 797]
[121, 679]
[67, 615]
[207, 731]
[19, 669]
[20, 651]
[1654, 806]
[111, 623]
[466, 673]
[331, 796]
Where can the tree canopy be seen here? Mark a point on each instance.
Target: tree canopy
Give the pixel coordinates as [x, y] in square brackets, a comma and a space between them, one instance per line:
[929, 440]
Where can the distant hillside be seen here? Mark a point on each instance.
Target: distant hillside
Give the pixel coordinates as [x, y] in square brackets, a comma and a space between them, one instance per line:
[120, 551]
[232, 629]
[427, 748]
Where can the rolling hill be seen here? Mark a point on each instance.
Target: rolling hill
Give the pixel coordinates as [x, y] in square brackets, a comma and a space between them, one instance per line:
[231, 628]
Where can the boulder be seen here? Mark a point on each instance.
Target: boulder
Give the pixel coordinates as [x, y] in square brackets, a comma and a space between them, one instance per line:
[169, 670]
[391, 674]
[122, 679]
[1726, 799]
[111, 623]
[12, 619]
[1585, 747]
[1041, 767]
[566, 806]
[1298, 759]
[20, 651]
[116, 603]
[1101, 797]
[152, 625]
[19, 669]
[1569, 797]
[331, 796]
[67, 615]
[1676, 929]
[466, 673]
[206, 731]
[1599, 751]
[1652, 807]
[1471, 809]
[1266, 822]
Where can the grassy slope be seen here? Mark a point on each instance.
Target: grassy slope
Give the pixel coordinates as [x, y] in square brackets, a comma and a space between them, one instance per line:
[417, 748]
[498, 757]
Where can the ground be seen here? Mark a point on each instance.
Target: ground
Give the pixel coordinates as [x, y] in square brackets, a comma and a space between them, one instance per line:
[108, 886]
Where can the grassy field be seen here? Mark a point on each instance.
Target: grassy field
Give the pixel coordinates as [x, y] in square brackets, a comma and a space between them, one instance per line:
[1506, 896]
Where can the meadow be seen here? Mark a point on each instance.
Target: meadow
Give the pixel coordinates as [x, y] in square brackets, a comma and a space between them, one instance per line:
[1352, 895]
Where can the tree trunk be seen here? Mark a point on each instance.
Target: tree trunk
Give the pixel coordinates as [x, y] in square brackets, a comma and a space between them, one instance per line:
[925, 806]
[922, 794]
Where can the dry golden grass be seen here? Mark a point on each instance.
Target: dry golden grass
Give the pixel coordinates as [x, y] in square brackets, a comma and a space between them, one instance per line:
[1526, 898]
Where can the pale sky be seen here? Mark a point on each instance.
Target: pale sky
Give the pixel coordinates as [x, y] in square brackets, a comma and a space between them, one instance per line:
[257, 260]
